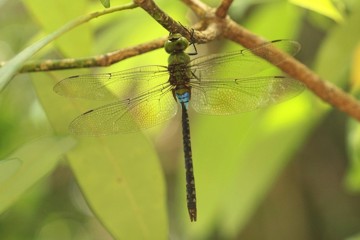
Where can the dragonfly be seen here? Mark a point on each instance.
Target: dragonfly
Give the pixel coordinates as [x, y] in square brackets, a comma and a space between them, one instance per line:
[218, 84]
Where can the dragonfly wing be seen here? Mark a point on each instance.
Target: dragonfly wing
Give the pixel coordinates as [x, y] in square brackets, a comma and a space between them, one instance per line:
[147, 110]
[243, 63]
[242, 95]
[110, 86]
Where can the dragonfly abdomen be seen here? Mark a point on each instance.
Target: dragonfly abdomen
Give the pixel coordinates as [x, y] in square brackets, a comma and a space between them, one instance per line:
[190, 179]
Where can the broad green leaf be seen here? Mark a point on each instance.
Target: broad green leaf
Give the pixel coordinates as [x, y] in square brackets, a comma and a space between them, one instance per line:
[120, 176]
[333, 64]
[75, 43]
[28, 165]
[241, 158]
[265, 149]
[266, 16]
[105, 3]
[8, 167]
[355, 237]
[334, 61]
[355, 69]
[121, 179]
[324, 7]
[10, 69]
[352, 179]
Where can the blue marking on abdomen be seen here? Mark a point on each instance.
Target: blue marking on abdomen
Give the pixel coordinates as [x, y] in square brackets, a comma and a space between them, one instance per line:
[184, 98]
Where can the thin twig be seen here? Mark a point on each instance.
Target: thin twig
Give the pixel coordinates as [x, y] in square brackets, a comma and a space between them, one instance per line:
[222, 10]
[102, 60]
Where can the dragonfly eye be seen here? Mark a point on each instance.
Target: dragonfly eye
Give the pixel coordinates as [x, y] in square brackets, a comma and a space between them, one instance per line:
[176, 43]
[174, 37]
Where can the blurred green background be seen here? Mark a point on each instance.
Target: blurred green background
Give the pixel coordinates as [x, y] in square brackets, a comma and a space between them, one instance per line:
[291, 171]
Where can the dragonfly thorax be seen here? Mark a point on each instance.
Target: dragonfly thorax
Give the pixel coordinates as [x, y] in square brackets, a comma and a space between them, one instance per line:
[180, 76]
[179, 71]
[178, 60]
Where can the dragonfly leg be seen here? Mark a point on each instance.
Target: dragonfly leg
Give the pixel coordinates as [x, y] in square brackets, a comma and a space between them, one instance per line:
[192, 42]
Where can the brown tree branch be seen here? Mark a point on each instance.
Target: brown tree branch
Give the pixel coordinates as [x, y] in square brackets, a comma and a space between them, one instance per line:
[102, 60]
[222, 10]
[170, 24]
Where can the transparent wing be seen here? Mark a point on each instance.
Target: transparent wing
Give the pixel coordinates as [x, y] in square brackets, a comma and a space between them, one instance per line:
[230, 96]
[109, 86]
[144, 111]
[243, 63]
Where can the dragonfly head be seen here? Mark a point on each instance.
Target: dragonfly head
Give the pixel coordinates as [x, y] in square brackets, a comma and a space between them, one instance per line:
[176, 43]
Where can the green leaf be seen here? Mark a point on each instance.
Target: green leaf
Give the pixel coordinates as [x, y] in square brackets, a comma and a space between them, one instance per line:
[28, 165]
[8, 167]
[8, 71]
[333, 61]
[122, 181]
[51, 18]
[355, 237]
[75, 43]
[352, 180]
[120, 176]
[105, 3]
[333, 64]
[355, 70]
[265, 149]
[324, 7]
[241, 158]
[266, 16]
